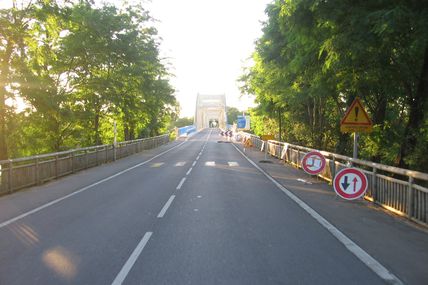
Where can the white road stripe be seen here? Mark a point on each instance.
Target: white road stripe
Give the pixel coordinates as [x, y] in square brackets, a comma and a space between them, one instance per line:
[166, 206]
[180, 163]
[362, 255]
[197, 158]
[188, 171]
[157, 164]
[232, 163]
[193, 164]
[35, 210]
[131, 260]
[210, 163]
[181, 183]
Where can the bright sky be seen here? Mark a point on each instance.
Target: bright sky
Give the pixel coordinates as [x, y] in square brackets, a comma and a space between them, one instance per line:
[207, 43]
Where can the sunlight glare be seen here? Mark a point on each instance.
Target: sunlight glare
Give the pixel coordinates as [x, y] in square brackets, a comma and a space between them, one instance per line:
[61, 261]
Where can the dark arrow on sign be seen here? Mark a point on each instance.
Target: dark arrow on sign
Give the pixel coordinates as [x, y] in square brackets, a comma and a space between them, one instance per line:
[345, 184]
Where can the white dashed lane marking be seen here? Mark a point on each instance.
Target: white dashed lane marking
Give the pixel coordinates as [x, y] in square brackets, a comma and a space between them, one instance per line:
[166, 206]
[131, 260]
[181, 183]
[210, 163]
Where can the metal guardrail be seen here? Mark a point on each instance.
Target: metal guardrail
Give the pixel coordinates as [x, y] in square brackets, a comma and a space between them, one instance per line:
[24, 172]
[395, 189]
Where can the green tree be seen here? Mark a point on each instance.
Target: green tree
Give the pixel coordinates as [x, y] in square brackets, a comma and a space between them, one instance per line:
[183, 122]
[315, 57]
[232, 115]
[80, 68]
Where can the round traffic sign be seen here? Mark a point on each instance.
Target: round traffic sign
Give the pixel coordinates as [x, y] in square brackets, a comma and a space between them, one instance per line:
[313, 162]
[350, 183]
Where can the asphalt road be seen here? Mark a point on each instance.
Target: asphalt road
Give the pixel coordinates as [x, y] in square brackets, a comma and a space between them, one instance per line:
[192, 212]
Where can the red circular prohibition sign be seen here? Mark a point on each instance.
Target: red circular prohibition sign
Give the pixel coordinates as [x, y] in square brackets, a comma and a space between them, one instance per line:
[350, 183]
[313, 162]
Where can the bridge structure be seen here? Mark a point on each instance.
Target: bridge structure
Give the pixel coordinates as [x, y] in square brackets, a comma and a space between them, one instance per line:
[207, 210]
[210, 111]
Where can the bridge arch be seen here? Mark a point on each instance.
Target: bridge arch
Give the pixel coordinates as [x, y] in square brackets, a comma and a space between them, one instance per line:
[210, 111]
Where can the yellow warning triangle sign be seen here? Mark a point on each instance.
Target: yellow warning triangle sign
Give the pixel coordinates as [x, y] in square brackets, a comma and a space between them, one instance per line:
[356, 119]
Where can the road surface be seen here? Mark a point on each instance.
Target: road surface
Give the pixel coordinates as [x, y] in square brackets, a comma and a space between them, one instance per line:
[191, 212]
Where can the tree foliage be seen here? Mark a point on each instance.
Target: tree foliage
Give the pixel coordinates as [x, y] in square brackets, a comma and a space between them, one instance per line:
[183, 122]
[315, 57]
[232, 114]
[79, 68]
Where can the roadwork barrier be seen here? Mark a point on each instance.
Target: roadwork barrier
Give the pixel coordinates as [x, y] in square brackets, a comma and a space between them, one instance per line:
[399, 190]
[185, 131]
[24, 172]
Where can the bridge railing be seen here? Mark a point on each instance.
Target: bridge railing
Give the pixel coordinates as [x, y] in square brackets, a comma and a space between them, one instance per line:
[399, 190]
[24, 172]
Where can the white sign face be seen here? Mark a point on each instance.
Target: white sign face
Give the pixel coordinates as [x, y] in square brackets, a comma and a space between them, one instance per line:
[350, 183]
[313, 163]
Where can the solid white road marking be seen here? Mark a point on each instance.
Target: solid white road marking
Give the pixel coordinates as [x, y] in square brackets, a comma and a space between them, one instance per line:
[232, 163]
[166, 206]
[180, 163]
[188, 171]
[131, 260]
[367, 259]
[35, 210]
[181, 183]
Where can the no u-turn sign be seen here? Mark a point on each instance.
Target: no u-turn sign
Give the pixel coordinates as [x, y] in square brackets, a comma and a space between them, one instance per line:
[350, 183]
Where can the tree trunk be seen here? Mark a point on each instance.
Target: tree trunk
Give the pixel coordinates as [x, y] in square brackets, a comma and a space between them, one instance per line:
[379, 115]
[125, 131]
[280, 123]
[4, 71]
[97, 128]
[417, 108]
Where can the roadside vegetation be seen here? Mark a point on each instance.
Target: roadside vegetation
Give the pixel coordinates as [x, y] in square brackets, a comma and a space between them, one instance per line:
[315, 57]
[70, 69]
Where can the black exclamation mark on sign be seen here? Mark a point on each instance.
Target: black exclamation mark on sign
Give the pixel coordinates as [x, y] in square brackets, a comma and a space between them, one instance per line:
[356, 113]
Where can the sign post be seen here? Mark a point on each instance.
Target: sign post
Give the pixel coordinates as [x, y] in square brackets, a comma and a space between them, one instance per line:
[356, 120]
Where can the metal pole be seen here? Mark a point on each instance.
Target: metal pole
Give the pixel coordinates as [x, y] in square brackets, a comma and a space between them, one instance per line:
[266, 147]
[374, 184]
[333, 168]
[72, 162]
[410, 205]
[356, 137]
[10, 186]
[36, 174]
[56, 166]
